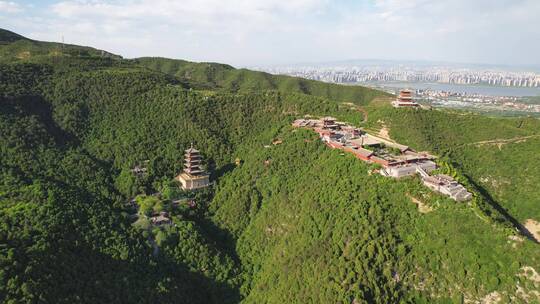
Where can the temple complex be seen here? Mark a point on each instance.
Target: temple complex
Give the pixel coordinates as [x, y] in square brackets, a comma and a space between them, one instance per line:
[395, 160]
[193, 176]
[405, 99]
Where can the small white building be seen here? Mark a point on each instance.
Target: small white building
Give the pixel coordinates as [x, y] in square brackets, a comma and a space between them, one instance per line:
[408, 169]
[448, 186]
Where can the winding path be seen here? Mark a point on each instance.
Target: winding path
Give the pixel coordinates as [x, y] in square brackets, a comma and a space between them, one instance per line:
[359, 109]
[502, 141]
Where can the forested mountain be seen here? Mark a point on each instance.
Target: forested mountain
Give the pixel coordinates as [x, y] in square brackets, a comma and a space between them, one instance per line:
[226, 78]
[289, 223]
[16, 47]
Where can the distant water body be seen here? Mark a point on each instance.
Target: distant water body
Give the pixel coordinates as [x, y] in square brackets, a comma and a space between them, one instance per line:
[457, 88]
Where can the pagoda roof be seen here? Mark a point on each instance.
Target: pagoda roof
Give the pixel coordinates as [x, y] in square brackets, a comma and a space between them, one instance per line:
[192, 150]
[192, 162]
[192, 171]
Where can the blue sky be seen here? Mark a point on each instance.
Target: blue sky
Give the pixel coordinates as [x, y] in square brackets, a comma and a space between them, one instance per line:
[265, 32]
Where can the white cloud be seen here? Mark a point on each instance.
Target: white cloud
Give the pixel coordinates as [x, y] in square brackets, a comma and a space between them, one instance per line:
[196, 29]
[10, 7]
[498, 31]
[245, 32]
[191, 9]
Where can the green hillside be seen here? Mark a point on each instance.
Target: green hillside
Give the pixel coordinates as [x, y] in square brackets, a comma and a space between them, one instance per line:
[496, 154]
[14, 47]
[227, 78]
[294, 222]
[7, 37]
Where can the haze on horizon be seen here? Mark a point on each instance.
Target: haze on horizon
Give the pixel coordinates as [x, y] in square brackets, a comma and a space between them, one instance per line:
[271, 32]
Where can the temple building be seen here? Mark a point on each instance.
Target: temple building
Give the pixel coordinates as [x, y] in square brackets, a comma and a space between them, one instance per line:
[194, 176]
[405, 99]
[448, 186]
[329, 123]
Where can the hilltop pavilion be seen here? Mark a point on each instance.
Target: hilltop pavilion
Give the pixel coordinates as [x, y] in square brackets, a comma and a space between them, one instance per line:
[405, 99]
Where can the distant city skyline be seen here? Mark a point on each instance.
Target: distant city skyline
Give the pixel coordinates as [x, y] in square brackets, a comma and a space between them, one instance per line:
[366, 71]
[274, 32]
[371, 62]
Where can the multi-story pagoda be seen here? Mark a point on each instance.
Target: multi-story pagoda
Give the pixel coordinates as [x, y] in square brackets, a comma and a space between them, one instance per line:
[405, 99]
[194, 176]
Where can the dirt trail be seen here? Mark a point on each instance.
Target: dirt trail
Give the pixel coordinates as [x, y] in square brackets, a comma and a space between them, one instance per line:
[422, 208]
[364, 112]
[359, 109]
[384, 132]
[534, 228]
[492, 298]
[502, 141]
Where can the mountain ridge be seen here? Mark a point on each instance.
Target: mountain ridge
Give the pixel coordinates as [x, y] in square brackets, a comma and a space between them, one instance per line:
[9, 36]
[18, 47]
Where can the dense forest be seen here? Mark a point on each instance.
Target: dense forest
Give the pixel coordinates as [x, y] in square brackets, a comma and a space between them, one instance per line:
[294, 222]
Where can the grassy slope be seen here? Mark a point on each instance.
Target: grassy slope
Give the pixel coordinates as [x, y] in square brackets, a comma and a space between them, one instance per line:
[480, 147]
[509, 174]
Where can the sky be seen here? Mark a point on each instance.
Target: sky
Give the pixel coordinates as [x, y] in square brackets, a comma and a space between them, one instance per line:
[277, 32]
